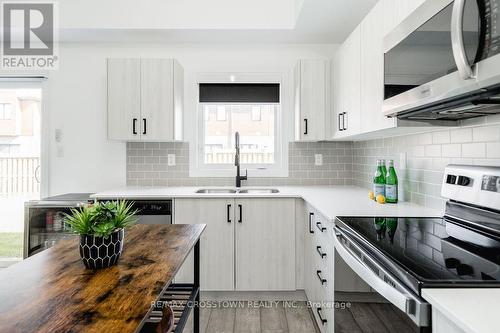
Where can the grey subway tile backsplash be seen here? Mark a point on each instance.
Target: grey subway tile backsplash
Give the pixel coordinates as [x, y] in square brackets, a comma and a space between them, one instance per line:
[147, 166]
[427, 155]
[344, 163]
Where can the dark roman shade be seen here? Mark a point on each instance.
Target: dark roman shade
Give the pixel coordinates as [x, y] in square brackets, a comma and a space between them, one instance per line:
[239, 93]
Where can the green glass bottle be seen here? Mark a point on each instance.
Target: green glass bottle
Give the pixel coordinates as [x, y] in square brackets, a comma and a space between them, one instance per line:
[391, 224]
[379, 180]
[384, 167]
[391, 184]
[380, 227]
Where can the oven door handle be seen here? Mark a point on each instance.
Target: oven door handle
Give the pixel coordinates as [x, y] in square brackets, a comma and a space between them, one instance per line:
[457, 40]
[383, 281]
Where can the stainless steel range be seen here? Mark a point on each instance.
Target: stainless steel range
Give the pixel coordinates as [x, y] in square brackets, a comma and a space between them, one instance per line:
[399, 256]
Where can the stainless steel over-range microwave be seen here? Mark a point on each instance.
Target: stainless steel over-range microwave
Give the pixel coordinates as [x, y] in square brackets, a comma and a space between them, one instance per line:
[443, 62]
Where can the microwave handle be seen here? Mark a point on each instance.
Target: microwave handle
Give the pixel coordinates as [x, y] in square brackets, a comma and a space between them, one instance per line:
[457, 40]
[399, 295]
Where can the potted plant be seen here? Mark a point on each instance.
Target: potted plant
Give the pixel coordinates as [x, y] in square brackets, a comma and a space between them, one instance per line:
[101, 227]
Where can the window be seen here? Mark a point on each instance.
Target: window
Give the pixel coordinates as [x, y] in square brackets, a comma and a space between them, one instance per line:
[252, 110]
[257, 136]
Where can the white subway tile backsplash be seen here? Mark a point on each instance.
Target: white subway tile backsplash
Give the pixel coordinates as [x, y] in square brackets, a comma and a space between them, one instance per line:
[441, 137]
[474, 150]
[493, 150]
[433, 151]
[451, 150]
[486, 133]
[461, 135]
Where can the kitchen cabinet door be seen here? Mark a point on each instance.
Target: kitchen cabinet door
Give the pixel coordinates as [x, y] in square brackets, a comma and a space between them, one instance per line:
[348, 114]
[216, 244]
[265, 244]
[396, 11]
[312, 99]
[157, 100]
[309, 256]
[124, 99]
[372, 72]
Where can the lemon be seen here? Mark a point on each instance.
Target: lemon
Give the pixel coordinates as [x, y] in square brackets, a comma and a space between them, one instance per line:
[371, 195]
[380, 199]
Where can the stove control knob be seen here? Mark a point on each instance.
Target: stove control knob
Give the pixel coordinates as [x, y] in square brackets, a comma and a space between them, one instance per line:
[463, 181]
[464, 269]
[451, 263]
[451, 179]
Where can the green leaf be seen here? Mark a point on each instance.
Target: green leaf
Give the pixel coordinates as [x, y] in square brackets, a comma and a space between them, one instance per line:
[101, 218]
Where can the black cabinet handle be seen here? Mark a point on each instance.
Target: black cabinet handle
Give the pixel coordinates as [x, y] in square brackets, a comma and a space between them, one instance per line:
[340, 122]
[310, 223]
[323, 281]
[240, 207]
[144, 131]
[229, 213]
[134, 123]
[305, 126]
[321, 228]
[344, 117]
[321, 254]
[323, 321]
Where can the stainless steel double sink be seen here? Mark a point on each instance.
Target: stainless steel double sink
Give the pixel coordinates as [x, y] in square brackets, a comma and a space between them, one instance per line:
[234, 191]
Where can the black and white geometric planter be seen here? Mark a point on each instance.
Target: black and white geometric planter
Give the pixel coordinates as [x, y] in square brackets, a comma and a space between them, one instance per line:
[98, 252]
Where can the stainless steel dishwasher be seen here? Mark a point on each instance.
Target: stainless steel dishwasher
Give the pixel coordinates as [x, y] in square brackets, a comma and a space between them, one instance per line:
[153, 211]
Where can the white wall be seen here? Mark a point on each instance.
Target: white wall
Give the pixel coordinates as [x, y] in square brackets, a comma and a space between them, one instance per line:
[75, 101]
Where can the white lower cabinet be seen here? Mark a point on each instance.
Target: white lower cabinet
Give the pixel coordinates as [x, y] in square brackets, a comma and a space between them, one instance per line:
[248, 244]
[319, 269]
[265, 244]
[325, 273]
[216, 243]
[443, 324]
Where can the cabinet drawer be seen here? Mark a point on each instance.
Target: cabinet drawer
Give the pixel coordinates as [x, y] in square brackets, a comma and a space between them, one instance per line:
[324, 318]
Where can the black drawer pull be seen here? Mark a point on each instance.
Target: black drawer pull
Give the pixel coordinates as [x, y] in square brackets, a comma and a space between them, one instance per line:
[229, 213]
[241, 213]
[321, 228]
[321, 254]
[310, 223]
[323, 321]
[305, 126]
[323, 281]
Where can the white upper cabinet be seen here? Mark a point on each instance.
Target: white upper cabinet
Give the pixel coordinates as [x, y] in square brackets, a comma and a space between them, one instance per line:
[145, 99]
[372, 72]
[312, 100]
[124, 99]
[347, 80]
[359, 78]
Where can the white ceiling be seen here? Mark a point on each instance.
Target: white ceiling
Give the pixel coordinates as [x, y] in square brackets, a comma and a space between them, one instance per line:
[285, 21]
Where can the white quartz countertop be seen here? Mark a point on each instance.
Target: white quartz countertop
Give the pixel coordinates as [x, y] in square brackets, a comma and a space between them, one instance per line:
[331, 201]
[474, 310]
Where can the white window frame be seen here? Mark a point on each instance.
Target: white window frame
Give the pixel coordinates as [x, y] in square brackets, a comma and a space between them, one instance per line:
[284, 115]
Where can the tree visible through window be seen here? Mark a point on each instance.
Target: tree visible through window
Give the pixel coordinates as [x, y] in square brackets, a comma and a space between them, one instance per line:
[256, 125]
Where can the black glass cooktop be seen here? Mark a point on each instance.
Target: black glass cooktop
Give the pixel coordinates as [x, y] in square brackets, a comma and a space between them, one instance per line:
[428, 251]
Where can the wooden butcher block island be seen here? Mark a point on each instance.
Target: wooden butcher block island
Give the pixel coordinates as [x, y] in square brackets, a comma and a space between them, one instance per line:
[53, 292]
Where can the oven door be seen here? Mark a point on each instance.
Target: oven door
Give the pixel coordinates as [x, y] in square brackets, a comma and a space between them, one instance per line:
[443, 51]
[381, 280]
